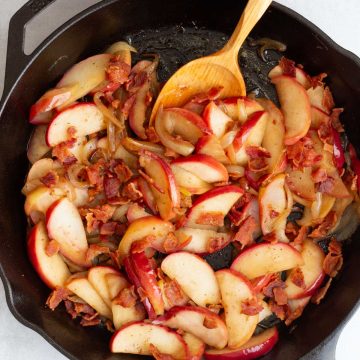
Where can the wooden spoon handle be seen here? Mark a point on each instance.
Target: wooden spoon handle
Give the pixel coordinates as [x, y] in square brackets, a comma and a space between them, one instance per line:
[253, 11]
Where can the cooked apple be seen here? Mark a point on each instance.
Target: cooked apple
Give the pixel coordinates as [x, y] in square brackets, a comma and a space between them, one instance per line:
[298, 303]
[209, 209]
[321, 98]
[86, 75]
[135, 212]
[295, 105]
[123, 315]
[140, 229]
[204, 167]
[37, 146]
[186, 180]
[163, 184]
[235, 290]
[82, 287]
[196, 346]
[64, 225]
[195, 277]
[148, 196]
[300, 182]
[251, 133]
[84, 118]
[321, 206]
[198, 321]
[318, 117]
[138, 146]
[140, 338]
[216, 119]
[266, 258]
[256, 347]
[202, 241]
[147, 277]
[210, 145]
[300, 76]
[128, 158]
[52, 269]
[115, 283]
[312, 271]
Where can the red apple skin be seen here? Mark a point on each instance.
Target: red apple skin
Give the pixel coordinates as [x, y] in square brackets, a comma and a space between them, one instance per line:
[192, 117]
[312, 289]
[256, 347]
[147, 195]
[339, 156]
[147, 278]
[131, 273]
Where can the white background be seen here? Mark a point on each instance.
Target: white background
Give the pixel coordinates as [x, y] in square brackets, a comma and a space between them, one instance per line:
[339, 19]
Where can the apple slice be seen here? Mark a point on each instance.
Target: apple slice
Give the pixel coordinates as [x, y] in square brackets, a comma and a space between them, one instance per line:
[194, 275]
[196, 346]
[140, 229]
[216, 119]
[148, 196]
[85, 118]
[86, 75]
[312, 271]
[124, 315]
[318, 117]
[115, 283]
[64, 225]
[300, 76]
[204, 167]
[209, 209]
[82, 287]
[128, 158]
[321, 98]
[266, 258]
[202, 241]
[210, 145]
[256, 347]
[137, 338]
[97, 276]
[198, 321]
[251, 133]
[164, 187]
[37, 146]
[51, 269]
[135, 212]
[295, 105]
[147, 277]
[190, 182]
[301, 183]
[234, 290]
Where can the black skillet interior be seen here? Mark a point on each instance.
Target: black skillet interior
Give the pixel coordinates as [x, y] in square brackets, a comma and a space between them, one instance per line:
[178, 31]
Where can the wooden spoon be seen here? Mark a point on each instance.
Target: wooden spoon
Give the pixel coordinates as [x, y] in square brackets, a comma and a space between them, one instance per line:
[218, 69]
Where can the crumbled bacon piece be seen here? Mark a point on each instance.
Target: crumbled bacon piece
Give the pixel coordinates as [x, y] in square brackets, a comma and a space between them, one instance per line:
[246, 232]
[131, 191]
[291, 229]
[174, 294]
[52, 248]
[63, 154]
[57, 296]
[122, 172]
[92, 225]
[210, 323]
[325, 133]
[216, 244]
[268, 290]
[118, 71]
[127, 297]
[108, 228]
[297, 278]
[185, 201]
[251, 306]
[50, 179]
[256, 152]
[301, 236]
[96, 174]
[271, 237]
[211, 95]
[288, 67]
[260, 282]
[335, 119]
[319, 175]
[333, 260]
[95, 250]
[317, 80]
[111, 187]
[90, 322]
[258, 165]
[103, 213]
[302, 153]
[214, 218]
[328, 100]
[280, 296]
[279, 310]
[327, 224]
[320, 293]
[142, 244]
[171, 243]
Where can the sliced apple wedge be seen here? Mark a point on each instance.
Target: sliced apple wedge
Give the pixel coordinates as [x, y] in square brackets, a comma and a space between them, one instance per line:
[82, 287]
[202, 241]
[140, 229]
[266, 258]
[64, 224]
[300, 182]
[135, 212]
[321, 98]
[52, 269]
[163, 186]
[251, 133]
[194, 275]
[312, 271]
[235, 289]
[148, 196]
[37, 146]
[210, 145]
[318, 117]
[209, 209]
[204, 167]
[139, 337]
[256, 347]
[295, 105]
[198, 321]
[115, 283]
[300, 76]
[123, 315]
[216, 119]
[195, 346]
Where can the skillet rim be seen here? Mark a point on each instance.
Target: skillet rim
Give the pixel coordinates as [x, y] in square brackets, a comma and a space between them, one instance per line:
[63, 28]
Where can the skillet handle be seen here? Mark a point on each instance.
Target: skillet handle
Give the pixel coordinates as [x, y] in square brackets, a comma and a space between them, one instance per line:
[16, 60]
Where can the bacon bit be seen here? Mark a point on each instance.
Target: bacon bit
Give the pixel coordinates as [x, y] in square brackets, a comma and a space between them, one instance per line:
[111, 187]
[294, 315]
[245, 234]
[327, 186]
[317, 80]
[131, 191]
[327, 224]
[333, 261]
[328, 100]
[69, 306]
[127, 297]
[108, 228]
[52, 248]
[258, 165]
[260, 282]
[118, 71]
[251, 306]
[103, 213]
[275, 283]
[297, 278]
[210, 323]
[278, 310]
[280, 296]
[319, 175]
[57, 296]
[320, 293]
[270, 237]
[85, 309]
[214, 218]
[95, 174]
[291, 229]
[211, 95]
[93, 322]
[302, 153]
[92, 225]
[216, 244]
[50, 179]
[122, 172]
[63, 154]
[158, 355]
[185, 201]
[95, 250]
[171, 243]
[325, 133]
[335, 119]
[140, 246]
[152, 135]
[128, 104]
[256, 152]
[121, 229]
[288, 67]
[301, 236]
[174, 294]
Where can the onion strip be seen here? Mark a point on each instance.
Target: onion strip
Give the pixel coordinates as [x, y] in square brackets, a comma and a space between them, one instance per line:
[105, 111]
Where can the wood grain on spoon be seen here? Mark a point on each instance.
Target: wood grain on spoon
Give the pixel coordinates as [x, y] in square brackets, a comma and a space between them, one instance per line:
[218, 69]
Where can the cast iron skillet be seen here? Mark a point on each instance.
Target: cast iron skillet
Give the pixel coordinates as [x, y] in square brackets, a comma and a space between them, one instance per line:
[180, 30]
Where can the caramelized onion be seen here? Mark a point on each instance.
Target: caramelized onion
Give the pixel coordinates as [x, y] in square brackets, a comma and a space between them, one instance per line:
[108, 114]
[133, 145]
[73, 175]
